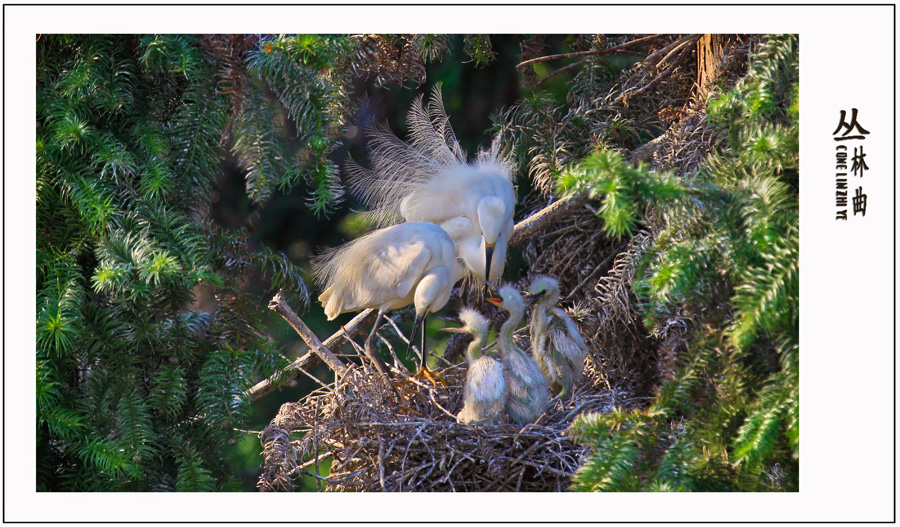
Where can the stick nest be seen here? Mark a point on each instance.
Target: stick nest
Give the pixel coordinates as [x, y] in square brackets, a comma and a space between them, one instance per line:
[376, 444]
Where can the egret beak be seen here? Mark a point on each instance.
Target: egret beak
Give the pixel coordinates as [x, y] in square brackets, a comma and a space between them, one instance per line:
[533, 297]
[496, 301]
[452, 329]
[488, 256]
[412, 335]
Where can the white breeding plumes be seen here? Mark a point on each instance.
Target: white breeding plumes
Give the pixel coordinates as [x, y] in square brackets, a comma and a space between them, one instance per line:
[410, 263]
[429, 180]
[528, 395]
[484, 396]
[556, 344]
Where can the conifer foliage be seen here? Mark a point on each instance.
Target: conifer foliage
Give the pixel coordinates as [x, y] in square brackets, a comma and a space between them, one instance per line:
[136, 388]
[727, 244]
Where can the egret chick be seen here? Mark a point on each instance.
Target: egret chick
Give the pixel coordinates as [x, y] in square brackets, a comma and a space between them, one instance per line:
[528, 391]
[429, 180]
[484, 396]
[410, 263]
[556, 344]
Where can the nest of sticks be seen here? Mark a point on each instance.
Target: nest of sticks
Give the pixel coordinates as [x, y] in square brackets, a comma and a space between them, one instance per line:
[376, 444]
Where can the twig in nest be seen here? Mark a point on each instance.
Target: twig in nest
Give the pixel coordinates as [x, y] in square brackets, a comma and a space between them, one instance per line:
[316, 445]
[316, 379]
[398, 364]
[601, 265]
[402, 336]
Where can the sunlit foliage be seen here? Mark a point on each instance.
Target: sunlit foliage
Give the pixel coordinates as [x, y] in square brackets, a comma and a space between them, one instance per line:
[729, 249]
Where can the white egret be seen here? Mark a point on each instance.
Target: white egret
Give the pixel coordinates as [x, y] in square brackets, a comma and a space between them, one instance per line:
[429, 180]
[410, 263]
[484, 396]
[528, 391]
[556, 344]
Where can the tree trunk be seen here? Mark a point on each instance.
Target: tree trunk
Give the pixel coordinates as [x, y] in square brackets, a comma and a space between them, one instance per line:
[709, 62]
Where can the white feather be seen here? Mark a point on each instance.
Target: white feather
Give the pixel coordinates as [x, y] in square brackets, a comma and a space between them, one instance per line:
[527, 389]
[484, 395]
[389, 268]
[556, 345]
[429, 180]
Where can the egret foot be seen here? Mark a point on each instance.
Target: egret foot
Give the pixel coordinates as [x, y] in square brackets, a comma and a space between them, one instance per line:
[432, 376]
[561, 397]
[403, 386]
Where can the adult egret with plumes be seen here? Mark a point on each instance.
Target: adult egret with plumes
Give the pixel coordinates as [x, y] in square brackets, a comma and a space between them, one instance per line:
[556, 344]
[430, 180]
[390, 268]
[484, 396]
[528, 391]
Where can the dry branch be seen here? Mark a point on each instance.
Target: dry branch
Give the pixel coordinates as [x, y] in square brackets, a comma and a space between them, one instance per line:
[546, 216]
[683, 51]
[309, 360]
[607, 51]
[279, 305]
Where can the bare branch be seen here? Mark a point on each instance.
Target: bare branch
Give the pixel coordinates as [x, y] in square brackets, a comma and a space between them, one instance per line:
[278, 305]
[685, 53]
[547, 215]
[311, 359]
[608, 51]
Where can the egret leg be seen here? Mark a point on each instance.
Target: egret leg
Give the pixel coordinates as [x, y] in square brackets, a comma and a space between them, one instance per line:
[487, 289]
[566, 388]
[488, 257]
[423, 372]
[433, 376]
[375, 358]
[423, 348]
[412, 335]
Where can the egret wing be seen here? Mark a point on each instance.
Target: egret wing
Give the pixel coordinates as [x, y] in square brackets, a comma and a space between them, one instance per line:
[570, 328]
[389, 271]
[377, 269]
